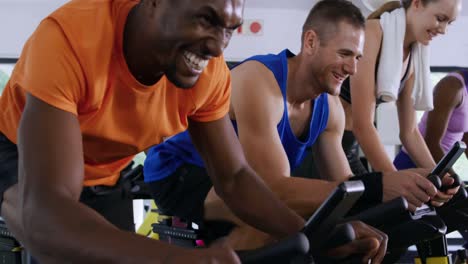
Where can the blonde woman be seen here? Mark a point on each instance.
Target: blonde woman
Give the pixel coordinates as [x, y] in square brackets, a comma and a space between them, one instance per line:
[422, 20]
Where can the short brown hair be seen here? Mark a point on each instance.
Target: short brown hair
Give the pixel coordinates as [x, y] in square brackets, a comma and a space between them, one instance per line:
[332, 12]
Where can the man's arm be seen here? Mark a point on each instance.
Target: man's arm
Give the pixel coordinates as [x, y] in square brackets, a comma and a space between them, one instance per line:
[258, 106]
[54, 226]
[328, 152]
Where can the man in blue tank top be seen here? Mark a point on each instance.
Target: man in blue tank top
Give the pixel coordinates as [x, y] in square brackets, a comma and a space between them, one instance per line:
[280, 105]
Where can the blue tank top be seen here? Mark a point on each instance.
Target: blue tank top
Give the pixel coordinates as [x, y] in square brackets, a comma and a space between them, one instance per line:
[164, 159]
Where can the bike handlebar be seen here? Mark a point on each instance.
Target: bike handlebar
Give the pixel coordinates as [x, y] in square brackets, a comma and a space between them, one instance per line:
[385, 214]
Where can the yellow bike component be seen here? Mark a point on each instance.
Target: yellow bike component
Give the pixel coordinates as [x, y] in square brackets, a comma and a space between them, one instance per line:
[435, 260]
[151, 217]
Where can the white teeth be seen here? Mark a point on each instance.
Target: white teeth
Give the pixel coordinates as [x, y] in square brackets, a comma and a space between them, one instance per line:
[194, 61]
[339, 77]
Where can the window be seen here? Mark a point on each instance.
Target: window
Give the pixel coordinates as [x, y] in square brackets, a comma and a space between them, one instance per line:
[6, 67]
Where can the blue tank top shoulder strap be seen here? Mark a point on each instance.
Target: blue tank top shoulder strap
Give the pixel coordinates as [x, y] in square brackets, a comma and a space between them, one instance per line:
[277, 64]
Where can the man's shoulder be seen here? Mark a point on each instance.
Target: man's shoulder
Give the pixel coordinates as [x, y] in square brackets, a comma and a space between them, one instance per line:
[256, 74]
[263, 65]
[78, 12]
[87, 22]
[272, 62]
[90, 28]
[255, 83]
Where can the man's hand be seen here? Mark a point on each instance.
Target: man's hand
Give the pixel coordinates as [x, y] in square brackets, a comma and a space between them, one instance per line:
[412, 184]
[444, 196]
[370, 243]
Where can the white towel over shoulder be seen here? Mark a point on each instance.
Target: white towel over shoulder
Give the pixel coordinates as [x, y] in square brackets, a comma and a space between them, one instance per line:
[391, 63]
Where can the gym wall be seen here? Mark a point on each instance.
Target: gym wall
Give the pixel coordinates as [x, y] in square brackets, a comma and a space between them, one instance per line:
[281, 26]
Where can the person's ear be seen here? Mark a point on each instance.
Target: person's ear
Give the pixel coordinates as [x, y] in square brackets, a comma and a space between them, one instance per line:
[416, 3]
[311, 42]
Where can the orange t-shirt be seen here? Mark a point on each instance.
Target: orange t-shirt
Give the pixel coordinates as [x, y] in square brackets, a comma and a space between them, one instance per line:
[74, 61]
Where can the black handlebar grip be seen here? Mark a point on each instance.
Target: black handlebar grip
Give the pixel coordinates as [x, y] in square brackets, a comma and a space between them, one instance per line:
[341, 235]
[456, 183]
[435, 180]
[279, 252]
[462, 193]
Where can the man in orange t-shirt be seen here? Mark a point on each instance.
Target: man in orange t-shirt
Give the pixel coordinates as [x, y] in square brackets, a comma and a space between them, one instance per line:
[100, 81]
[97, 83]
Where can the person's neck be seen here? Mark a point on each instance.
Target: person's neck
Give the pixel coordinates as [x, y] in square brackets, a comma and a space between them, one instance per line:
[409, 38]
[300, 89]
[136, 51]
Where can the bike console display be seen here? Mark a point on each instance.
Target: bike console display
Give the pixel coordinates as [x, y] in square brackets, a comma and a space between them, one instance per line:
[332, 211]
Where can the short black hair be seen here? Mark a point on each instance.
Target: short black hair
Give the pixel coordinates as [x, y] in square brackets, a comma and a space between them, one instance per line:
[327, 13]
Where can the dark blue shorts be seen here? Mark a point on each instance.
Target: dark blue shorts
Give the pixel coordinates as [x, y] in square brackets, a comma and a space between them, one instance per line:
[403, 161]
